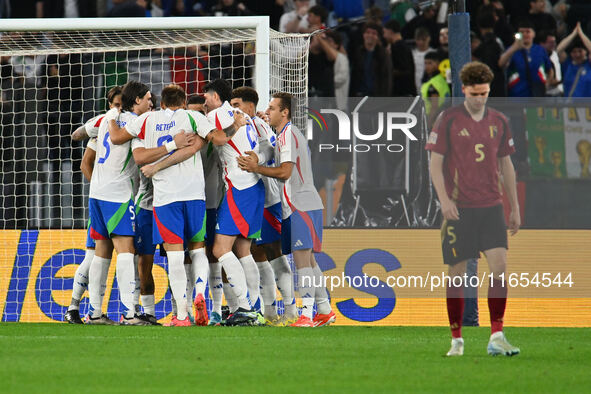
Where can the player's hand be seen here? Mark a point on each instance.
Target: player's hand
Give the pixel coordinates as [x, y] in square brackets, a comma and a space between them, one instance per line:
[239, 120]
[249, 163]
[514, 222]
[449, 210]
[183, 139]
[263, 116]
[149, 170]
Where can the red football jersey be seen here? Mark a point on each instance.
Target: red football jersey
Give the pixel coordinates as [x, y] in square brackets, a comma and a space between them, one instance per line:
[471, 150]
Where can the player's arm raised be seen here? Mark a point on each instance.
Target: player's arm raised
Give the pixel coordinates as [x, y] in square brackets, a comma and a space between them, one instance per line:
[80, 134]
[509, 183]
[448, 207]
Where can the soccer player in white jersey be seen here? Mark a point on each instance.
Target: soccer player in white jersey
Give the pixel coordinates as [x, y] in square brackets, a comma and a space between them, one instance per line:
[214, 192]
[301, 229]
[268, 246]
[179, 197]
[240, 215]
[82, 272]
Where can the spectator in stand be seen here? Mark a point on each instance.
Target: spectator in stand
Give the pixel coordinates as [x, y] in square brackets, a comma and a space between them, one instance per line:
[489, 52]
[24, 8]
[126, 8]
[371, 67]
[502, 28]
[436, 89]
[403, 65]
[320, 69]
[402, 12]
[427, 20]
[422, 41]
[332, 44]
[443, 54]
[316, 19]
[67, 9]
[529, 68]
[576, 66]
[296, 20]
[230, 8]
[547, 40]
[539, 17]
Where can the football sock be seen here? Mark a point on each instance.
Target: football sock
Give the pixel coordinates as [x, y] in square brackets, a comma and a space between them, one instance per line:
[215, 286]
[306, 289]
[230, 297]
[200, 269]
[190, 283]
[497, 300]
[126, 282]
[235, 275]
[455, 309]
[95, 288]
[268, 292]
[136, 291]
[253, 281]
[284, 281]
[148, 304]
[81, 279]
[322, 304]
[178, 281]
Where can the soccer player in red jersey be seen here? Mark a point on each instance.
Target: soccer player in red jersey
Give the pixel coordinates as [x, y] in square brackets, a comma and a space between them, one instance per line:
[470, 147]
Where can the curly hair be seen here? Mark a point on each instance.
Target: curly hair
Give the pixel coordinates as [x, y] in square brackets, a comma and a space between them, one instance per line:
[476, 73]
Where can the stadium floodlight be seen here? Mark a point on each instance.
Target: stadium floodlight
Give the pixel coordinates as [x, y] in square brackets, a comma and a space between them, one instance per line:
[55, 76]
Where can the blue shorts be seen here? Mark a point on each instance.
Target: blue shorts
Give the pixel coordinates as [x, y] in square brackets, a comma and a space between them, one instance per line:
[143, 234]
[210, 225]
[302, 230]
[89, 241]
[111, 218]
[241, 211]
[271, 227]
[179, 221]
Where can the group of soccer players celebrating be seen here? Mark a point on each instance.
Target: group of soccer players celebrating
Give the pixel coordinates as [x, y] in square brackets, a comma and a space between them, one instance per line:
[203, 181]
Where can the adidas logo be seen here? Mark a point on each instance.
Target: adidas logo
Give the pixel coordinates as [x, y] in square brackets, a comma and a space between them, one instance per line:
[464, 133]
[298, 243]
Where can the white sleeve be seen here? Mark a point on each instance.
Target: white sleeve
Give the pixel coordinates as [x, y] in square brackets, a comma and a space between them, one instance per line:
[92, 125]
[266, 148]
[137, 126]
[137, 143]
[91, 144]
[286, 151]
[200, 123]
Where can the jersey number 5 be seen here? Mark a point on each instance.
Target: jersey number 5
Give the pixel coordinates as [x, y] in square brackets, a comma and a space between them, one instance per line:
[478, 150]
[101, 160]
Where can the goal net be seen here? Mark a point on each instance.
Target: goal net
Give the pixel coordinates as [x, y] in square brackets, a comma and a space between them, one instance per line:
[54, 76]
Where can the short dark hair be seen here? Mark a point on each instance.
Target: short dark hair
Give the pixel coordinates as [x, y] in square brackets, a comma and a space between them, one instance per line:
[393, 25]
[285, 102]
[247, 94]
[476, 73]
[576, 43]
[335, 36]
[196, 100]
[374, 26]
[422, 32]
[173, 96]
[154, 100]
[432, 56]
[526, 24]
[112, 93]
[221, 87]
[320, 11]
[132, 90]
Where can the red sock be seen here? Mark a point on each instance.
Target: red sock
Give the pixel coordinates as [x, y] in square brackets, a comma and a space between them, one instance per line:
[497, 300]
[455, 310]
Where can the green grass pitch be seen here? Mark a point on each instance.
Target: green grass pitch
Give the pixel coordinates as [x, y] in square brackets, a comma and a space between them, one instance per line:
[60, 358]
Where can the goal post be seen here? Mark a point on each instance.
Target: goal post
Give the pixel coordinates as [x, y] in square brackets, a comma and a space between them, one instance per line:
[55, 74]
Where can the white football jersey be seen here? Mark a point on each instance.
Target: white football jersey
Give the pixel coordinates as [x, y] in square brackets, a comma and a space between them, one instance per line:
[145, 194]
[92, 144]
[212, 169]
[114, 168]
[272, 189]
[245, 139]
[298, 191]
[183, 181]
[92, 125]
